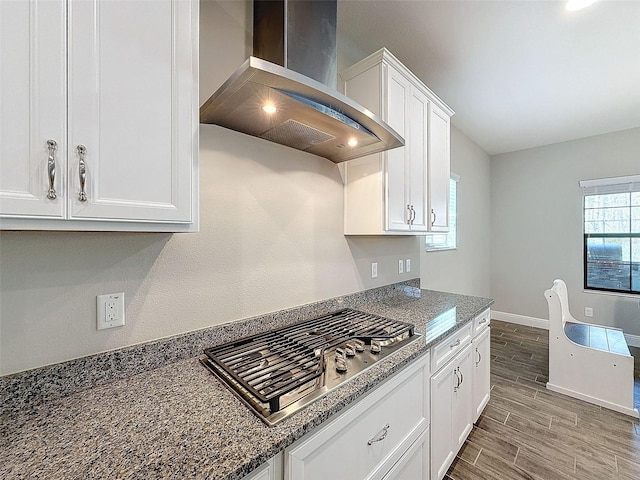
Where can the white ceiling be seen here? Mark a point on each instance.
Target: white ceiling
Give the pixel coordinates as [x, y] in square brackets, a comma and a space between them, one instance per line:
[518, 73]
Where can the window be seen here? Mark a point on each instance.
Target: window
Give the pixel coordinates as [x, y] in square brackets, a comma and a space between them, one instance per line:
[447, 241]
[612, 234]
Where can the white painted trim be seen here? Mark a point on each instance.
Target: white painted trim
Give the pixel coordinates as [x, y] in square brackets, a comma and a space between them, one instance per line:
[632, 340]
[597, 401]
[598, 182]
[520, 319]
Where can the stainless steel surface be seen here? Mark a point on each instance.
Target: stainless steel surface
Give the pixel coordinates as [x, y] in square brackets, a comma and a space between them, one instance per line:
[82, 171]
[296, 74]
[51, 169]
[380, 436]
[299, 35]
[277, 373]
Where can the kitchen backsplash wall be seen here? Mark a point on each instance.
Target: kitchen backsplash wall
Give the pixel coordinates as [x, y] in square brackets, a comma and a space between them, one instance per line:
[271, 223]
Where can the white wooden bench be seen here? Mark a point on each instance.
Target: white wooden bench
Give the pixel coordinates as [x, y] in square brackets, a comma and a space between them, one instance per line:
[586, 361]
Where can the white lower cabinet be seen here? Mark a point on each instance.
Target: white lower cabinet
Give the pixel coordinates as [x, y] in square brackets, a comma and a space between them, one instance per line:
[271, 470]
[383, 436]
[481, 375]
[451, 410]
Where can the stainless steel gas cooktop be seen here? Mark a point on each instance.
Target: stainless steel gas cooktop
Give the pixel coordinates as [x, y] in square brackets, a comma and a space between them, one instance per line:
[279, 372]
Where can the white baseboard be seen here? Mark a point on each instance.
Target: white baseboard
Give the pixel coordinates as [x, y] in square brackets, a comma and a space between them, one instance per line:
[521, 319]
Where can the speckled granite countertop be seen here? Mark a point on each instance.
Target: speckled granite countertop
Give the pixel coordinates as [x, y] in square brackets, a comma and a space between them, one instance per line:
[178, 421]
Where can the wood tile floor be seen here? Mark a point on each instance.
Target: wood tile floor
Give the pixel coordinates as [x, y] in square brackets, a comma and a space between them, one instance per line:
[529, 432]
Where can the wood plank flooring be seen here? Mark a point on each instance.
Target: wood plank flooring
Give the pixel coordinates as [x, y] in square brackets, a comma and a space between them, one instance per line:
[530, 433]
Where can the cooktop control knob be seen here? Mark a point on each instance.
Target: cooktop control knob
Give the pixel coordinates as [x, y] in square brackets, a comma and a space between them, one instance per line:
[359, 344]
[341, 360]
[350, 350]
[375, 346]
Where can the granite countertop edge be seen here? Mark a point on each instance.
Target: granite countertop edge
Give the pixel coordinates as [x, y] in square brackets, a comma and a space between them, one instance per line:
[240, 441]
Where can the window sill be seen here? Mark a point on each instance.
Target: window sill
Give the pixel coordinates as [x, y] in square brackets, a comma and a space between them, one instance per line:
[635, 296]
[440, 249]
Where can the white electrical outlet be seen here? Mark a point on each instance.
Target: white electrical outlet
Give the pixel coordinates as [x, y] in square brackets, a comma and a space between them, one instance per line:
[110, 310]
[588, 312]
[408, 269]
[374, 270]
[400, 266]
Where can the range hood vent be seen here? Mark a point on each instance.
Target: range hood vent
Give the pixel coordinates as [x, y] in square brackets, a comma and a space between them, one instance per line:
[265, 99]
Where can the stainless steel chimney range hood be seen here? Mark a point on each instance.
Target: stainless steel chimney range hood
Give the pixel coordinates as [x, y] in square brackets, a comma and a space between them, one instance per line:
[279, 101]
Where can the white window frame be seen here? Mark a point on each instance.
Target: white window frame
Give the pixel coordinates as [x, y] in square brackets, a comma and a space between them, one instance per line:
[607, 186]
[434, 241]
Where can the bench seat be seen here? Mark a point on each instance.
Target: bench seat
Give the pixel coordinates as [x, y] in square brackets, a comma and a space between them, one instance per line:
[595, 336]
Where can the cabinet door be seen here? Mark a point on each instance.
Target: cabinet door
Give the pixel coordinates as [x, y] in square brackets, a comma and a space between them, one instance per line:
[439, 170]
[482, 374]
[396, 171]
[461, 412]
[131, 64]
[417, 150]
[442, 454]
[32, 107]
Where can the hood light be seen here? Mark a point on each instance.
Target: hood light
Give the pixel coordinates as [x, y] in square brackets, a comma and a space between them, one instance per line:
[269, 108]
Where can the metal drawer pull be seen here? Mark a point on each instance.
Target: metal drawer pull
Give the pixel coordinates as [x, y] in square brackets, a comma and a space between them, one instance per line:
[82, 170]
[479, 357]
[380, 436]
[433, 212]
[51, 169]
[413, 214]
[484, 320]
[461, 376]
[455, 344]
[458, 382]
[409, 210]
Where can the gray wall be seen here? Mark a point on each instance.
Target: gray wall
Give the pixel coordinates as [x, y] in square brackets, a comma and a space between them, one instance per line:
[536, 225]
[271, 222]
[466, 269]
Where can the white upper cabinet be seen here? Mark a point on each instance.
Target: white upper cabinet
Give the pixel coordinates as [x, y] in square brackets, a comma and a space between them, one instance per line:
[391, 192]
[114, 84]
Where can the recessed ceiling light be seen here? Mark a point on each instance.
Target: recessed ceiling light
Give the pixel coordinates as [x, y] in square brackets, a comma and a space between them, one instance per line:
[578, 4]
[269, 108]
[352, 142]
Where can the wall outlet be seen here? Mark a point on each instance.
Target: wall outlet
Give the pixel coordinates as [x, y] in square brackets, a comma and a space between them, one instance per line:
[374, 269]
[588, 312]
[110, 310]
[408, 269]
[400, 266]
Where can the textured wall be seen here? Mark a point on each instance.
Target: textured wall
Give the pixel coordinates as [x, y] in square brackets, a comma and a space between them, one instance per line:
[536, 225]
[466, 269]
[270, 238]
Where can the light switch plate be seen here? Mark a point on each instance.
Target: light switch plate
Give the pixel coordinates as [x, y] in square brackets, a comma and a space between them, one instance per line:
[110, 310]
[408, 269]
[400, 266]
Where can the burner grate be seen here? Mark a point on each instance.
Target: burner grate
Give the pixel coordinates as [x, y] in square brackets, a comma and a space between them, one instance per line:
[270, 365]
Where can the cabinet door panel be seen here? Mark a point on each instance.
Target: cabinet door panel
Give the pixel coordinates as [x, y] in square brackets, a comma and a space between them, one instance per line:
[439, 170]
[481, 374]
[398, 92]
[32, 106]
[418, 114]
[442, 453]
[414, 465]
[128, 65]
[462, 399]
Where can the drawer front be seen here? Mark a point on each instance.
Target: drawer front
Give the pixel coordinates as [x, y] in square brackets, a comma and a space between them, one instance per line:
[481, 322]
[368, 439]
[450, 346]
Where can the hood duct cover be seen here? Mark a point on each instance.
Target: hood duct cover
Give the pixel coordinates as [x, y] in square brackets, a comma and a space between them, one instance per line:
[309, 115]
